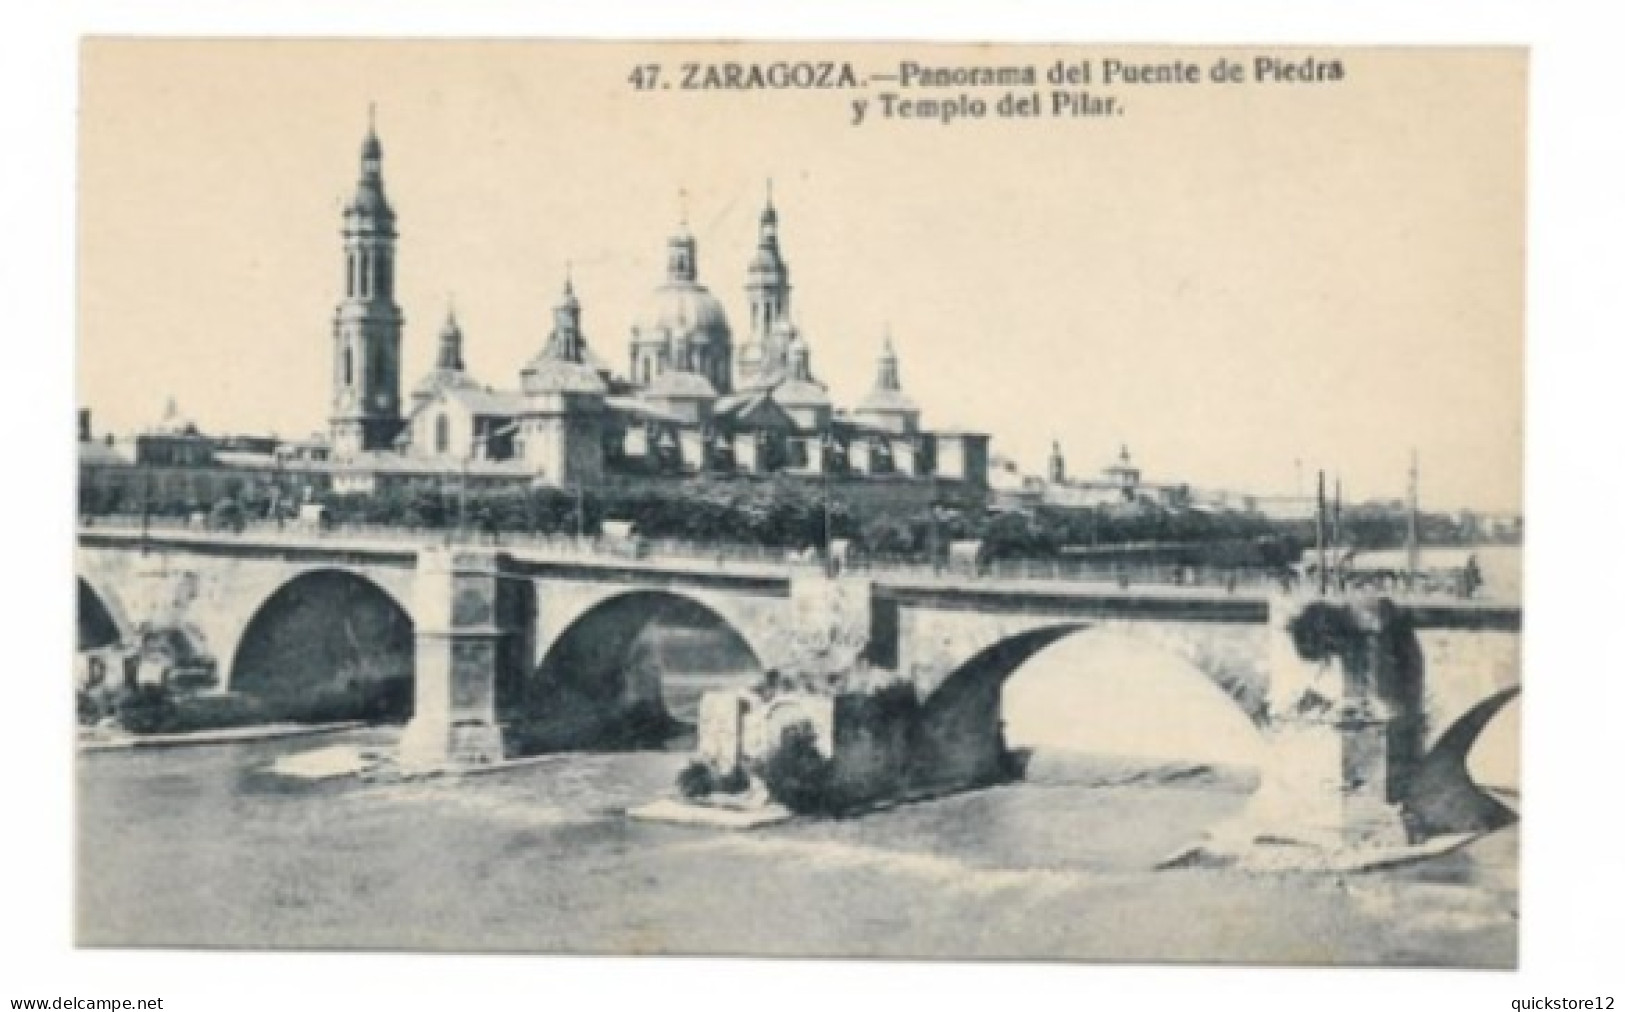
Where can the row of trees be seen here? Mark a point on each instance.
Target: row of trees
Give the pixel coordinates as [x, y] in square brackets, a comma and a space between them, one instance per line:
[779, 513]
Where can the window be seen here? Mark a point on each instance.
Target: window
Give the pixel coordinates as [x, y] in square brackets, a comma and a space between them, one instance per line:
[349, 368]
[442, 434]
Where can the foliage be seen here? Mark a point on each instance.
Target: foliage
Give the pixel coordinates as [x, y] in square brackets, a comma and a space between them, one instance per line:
[217, 710]
[777, 511]
[696, 780]
[93, 703]
[889, 536]
[227, 515]
[797, 775]
[377, 700]
[895, 700]
[148, 709]
[735, 782]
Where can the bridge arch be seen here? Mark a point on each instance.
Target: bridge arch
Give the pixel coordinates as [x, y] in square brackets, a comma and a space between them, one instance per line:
[328, 644]
[971, 701]
[1442, 795]
[627, 671]
[101, 618]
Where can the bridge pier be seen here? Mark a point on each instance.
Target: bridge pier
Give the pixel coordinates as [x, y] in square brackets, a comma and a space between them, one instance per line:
[460, 649]
[1345, 726]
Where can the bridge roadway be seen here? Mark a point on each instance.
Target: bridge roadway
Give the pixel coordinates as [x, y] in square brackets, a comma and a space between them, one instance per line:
[767, 572]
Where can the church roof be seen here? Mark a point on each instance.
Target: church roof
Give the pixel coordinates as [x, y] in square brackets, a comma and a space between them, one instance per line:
[887, 402]
[752, 410]
[482, 401]
[641, 409]
[436, 380]
[797, 393]
[97, 452]
[548, 375]
[676, 383]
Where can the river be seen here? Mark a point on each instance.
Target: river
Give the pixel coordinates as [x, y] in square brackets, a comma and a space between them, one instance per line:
[203, 847]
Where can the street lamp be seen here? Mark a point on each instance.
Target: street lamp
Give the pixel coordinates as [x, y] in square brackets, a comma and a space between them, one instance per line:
[831, 451]
[146, 502]
[276, 485]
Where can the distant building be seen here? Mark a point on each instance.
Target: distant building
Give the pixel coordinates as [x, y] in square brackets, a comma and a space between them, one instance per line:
[174, 442]
[1117, 486]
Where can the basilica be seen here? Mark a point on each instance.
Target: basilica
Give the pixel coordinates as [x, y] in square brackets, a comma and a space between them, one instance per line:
[691, 401]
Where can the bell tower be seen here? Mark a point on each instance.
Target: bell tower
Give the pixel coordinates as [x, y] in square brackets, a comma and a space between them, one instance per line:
[367, 323]
[767, 287]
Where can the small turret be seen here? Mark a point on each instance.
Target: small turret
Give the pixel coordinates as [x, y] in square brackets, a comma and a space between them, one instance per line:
[886, 405]
[450, 355]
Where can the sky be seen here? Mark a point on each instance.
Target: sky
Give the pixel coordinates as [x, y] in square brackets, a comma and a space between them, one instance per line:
[1243, 284]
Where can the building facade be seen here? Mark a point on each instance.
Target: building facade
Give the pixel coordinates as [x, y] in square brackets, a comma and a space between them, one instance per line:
[690, 403]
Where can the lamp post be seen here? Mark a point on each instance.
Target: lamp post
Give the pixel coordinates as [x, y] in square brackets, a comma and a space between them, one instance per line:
[462, 500]
[581, 513]
[276, 485]
[1320, 531]
[146, 502]
[936, 534]
[831, 451]
[1413, 540]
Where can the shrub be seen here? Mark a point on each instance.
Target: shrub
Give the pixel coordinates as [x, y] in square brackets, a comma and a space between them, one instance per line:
[797, 775]
[898, 700]
[90, 707]
[696, 780]
[736, 782]
[227, 515]
[216, 711]
[148, 709]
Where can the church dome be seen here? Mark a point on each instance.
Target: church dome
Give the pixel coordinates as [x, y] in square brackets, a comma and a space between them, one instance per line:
[173, 423]
[683, 307]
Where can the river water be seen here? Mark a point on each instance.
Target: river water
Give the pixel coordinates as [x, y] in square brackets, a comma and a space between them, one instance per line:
[1133, 759]
[204, 847]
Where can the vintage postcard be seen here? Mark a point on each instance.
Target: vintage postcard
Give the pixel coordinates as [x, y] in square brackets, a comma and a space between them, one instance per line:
[901, 500]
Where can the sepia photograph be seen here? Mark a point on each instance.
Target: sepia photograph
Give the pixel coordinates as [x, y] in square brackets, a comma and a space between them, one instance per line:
[786, 499]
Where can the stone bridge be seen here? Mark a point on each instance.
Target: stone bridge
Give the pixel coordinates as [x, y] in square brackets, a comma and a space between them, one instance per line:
[493, 652]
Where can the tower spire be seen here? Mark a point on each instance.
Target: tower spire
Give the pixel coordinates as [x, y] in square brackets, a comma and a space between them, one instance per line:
[367, 327]
[887, 377]
[767, 286]
[567, 343]
[682, 259]
[451, 341]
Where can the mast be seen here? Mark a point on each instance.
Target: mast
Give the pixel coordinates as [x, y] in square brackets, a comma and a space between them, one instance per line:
[1413, 550]
[1320, 529]
[1337, 514]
